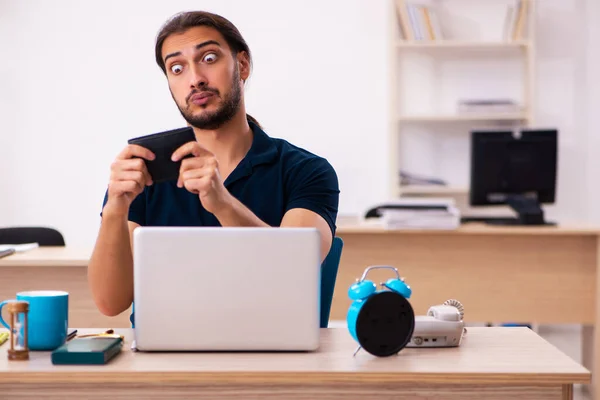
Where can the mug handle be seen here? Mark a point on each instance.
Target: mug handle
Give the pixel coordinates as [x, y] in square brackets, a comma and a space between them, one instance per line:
[1, 319]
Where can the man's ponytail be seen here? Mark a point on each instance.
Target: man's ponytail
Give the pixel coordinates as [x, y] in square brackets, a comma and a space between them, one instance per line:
[250, 118]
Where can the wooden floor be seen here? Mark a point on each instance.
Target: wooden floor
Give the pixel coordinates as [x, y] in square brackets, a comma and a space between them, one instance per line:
[567, 338]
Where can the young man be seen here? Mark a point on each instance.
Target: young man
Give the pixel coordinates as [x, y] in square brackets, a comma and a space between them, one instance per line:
[237, 175]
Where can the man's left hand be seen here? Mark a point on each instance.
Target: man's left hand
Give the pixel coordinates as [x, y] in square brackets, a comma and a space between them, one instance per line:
[200, 175]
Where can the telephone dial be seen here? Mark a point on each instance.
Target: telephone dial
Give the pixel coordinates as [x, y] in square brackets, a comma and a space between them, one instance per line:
[383, 321]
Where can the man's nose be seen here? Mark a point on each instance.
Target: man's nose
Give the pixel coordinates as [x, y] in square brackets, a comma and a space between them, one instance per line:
[198, 79]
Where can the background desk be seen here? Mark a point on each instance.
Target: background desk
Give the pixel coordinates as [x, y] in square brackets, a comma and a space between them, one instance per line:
[57, 268]
[492, 363]
[500, 274]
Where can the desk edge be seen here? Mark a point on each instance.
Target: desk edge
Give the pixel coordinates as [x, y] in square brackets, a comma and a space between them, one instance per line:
[292, 377]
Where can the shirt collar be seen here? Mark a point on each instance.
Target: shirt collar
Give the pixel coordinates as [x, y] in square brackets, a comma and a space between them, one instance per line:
[262, 151]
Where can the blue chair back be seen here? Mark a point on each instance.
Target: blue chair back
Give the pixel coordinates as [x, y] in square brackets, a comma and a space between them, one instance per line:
[329, 270]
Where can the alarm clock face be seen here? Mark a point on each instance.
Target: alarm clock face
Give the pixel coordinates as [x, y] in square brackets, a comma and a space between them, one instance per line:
[385, 324]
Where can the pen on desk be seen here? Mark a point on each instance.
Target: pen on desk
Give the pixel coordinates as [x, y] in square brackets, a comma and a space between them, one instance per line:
[3, 337]
[71, 334]
[7, 252]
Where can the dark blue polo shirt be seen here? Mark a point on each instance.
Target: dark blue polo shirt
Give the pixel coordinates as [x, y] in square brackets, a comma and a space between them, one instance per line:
[274, 177]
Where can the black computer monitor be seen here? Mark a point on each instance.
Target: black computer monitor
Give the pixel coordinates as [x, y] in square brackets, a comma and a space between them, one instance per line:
[517, 169]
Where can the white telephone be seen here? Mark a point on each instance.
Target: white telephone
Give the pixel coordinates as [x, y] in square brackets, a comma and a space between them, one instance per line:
[443, 326]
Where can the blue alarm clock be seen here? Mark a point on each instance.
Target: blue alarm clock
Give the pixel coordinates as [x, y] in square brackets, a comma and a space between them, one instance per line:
[381, 321]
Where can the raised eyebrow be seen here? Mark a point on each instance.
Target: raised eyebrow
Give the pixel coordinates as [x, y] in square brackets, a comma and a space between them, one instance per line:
[177, 53]
[198, 47]
[208, 42]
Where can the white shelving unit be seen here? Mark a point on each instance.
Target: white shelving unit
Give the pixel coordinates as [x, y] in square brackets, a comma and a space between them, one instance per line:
[433, 116]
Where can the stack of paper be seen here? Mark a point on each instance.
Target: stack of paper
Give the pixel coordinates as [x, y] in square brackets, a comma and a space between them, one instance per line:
[489, 106]
[419, 213]
[19, 248]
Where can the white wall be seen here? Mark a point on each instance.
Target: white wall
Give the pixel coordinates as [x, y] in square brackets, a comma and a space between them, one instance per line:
[77, 79]
[562, 97]
[592, 95]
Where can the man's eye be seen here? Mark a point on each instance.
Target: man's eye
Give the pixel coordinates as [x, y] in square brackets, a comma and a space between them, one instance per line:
[176, 68]
[210, 58]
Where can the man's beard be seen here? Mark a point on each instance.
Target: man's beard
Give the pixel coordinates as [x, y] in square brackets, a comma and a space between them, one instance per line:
[215, 119]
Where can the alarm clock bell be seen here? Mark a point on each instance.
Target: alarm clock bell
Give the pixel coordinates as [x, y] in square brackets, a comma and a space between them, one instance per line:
[381, 321]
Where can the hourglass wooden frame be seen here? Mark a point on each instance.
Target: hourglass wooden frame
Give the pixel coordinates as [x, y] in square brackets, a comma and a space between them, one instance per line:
[15, 308]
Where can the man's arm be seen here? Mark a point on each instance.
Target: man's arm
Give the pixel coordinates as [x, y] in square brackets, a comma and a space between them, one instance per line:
[299, 217]
[312, 189]
[110, 270]
[236, 214]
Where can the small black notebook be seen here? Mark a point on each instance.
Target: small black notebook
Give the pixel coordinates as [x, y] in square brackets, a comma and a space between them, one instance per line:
[163, 144]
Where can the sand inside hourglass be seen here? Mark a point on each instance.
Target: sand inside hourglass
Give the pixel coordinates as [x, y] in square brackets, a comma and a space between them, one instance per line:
[19, 336]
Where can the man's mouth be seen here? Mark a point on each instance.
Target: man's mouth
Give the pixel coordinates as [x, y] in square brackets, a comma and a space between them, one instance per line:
[200, 99]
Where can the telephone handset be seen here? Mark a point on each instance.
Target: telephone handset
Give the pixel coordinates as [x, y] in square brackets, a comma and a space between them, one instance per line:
[443, 326]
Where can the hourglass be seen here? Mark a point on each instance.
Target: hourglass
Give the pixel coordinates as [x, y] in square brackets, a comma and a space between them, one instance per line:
[18, 328]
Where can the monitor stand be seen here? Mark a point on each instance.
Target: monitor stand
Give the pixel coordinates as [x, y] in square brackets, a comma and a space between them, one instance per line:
[529, 212]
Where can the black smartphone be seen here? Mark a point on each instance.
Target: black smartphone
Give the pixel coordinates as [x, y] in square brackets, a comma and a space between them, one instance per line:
[163, 144]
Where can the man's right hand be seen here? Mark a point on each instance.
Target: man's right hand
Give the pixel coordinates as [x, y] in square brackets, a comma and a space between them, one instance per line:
[128, 177]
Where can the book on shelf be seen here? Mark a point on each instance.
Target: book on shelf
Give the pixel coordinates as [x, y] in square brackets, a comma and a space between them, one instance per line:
[421, 22]
[489, 106]
[408, 179]
[515, 22]
[418, 21]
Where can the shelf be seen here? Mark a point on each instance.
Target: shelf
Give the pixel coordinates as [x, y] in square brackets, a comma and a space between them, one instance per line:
[433, 189]
[464, 117]
[464, 45]
[471, 44]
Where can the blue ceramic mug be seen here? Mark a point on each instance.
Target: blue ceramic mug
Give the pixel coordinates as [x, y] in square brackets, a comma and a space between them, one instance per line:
[48, 318]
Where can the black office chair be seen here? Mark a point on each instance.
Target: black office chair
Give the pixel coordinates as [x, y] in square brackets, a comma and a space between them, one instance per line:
[34, 234]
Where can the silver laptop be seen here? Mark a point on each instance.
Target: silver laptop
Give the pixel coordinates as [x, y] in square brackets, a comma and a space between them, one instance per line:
[226, 289]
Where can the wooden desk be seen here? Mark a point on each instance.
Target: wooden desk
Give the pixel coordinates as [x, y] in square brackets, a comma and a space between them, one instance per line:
[500, 274]
[492, 363]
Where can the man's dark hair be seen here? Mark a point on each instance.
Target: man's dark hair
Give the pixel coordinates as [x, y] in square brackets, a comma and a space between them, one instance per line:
[183, 21]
